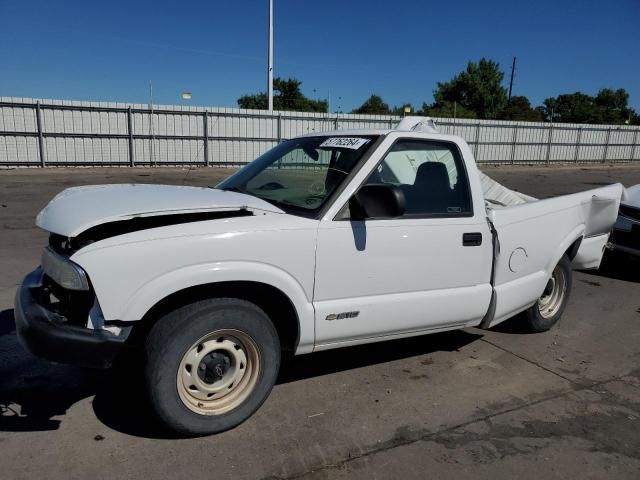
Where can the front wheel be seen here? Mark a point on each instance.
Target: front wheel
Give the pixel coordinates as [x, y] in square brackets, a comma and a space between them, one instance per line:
[210, 365]
[549, 308]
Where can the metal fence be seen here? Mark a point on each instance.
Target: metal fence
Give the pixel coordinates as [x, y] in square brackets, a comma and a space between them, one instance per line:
[73, 133]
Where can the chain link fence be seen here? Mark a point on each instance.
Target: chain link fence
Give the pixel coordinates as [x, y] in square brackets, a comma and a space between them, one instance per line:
[74, 133]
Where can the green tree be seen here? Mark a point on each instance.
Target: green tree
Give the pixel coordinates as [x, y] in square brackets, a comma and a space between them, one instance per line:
[258, 101]
[575, 107]
[478, 89]
[613, 106]
[374, 105]
[447, 110]
[608, 106]
[399, 111]
[287, 96]
[549, 109]
[519, 108]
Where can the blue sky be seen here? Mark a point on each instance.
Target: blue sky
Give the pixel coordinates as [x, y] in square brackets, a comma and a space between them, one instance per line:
[216, 49]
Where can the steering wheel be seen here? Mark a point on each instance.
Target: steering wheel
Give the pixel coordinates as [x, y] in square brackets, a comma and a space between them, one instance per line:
[271, 186]
[314, 200]
[338, 170]
[316, 188]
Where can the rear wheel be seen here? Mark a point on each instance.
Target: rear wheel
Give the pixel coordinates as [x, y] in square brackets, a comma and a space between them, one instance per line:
[548, 310]
[211, 364]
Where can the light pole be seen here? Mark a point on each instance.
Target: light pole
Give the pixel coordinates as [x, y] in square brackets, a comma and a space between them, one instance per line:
[270, 61]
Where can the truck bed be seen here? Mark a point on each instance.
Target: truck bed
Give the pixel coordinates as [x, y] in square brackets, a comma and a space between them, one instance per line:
[534, 234]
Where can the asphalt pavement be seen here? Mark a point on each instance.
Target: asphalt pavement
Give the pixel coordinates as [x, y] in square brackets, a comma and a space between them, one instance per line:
[464, 404]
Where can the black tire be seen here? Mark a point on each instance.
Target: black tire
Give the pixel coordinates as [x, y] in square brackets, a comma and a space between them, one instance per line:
[534, 320]
[176, 334]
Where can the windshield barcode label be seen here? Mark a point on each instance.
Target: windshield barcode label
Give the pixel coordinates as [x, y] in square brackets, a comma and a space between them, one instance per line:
[344, 142]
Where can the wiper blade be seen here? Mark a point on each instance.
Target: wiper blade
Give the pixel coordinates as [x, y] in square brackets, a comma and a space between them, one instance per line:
[232, 189]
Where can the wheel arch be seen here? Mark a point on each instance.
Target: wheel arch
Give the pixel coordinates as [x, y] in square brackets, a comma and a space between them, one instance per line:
[273, 301]
[569, 246]
[572, 251]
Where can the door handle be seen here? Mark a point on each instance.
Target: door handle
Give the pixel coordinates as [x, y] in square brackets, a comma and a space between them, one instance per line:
[473, 239]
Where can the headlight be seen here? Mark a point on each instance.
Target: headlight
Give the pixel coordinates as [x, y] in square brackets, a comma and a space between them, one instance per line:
[63, 271]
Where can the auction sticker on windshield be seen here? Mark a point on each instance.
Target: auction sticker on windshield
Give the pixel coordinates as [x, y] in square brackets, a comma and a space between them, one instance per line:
[344, 142]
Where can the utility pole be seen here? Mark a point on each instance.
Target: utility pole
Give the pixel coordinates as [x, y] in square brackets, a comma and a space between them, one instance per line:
[270, 55]
[151, 121]
[513, 71]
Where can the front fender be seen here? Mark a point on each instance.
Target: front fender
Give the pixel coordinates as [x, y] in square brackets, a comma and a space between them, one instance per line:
[171, 282]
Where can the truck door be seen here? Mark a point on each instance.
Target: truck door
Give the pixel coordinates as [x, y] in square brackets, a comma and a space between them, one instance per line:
[427, 270]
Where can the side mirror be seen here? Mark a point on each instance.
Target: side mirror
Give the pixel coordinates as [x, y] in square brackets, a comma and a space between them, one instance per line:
[377, 201]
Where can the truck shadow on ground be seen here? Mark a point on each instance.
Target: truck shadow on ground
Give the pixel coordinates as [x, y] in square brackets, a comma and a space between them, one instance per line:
[121, 403]
[36, 395]
[618, 266]
[32, 391]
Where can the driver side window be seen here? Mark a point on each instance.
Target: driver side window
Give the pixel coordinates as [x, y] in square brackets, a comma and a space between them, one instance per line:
[430, 174]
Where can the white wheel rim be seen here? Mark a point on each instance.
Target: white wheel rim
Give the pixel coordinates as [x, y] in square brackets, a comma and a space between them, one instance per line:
[554, 293]
[218, 372]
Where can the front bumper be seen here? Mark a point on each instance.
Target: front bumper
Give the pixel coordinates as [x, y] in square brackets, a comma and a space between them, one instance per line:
[47, 334]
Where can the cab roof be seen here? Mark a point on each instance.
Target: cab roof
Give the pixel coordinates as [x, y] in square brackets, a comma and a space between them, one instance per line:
[377, 132]
[409, 124]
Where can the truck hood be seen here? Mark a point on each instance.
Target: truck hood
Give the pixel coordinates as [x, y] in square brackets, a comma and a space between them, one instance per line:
[77, 209]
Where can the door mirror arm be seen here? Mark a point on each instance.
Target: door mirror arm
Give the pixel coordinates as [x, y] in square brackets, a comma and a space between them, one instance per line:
[377, 201]
[356, 209]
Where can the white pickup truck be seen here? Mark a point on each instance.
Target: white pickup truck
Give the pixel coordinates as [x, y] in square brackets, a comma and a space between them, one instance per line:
[327, 240]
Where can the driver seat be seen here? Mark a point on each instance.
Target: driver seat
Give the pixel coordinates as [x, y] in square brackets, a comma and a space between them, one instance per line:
[431, 191]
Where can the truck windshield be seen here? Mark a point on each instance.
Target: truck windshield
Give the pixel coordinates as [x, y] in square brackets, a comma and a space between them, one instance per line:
[300, 174]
